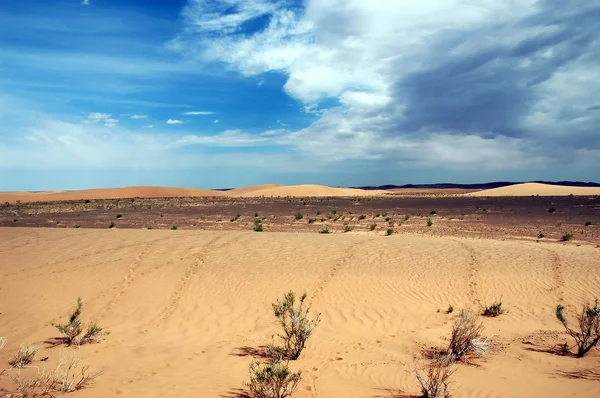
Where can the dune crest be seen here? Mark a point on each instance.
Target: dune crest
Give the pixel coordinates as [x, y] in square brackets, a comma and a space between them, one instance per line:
[307, 190]
[533, 188]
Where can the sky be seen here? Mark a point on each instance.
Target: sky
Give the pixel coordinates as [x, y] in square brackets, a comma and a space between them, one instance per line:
[228, 93]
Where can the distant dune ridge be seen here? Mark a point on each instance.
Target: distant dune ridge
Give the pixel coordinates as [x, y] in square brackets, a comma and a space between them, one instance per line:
[532, 188]
[277, 190]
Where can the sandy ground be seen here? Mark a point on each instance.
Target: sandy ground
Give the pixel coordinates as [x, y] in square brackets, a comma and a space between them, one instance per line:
[187, 308]
[531, 188]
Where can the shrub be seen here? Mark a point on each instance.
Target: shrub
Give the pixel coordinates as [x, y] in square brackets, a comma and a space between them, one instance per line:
[378, 215]
[541, 235]
[348, 228]
[272, 379]
[299, 216]
[112, 224]
[66, 378]
[567, 237]
[77, 226]
[433, 212]
[119, 215]
[362, 217]
[255, 215]
[450, 309]
[372, 227]
[406, 217]
[388, 219]
[588, 223]
[493, 310]
[312, 220]
[258, 227]
[333, 211]
[389, 232]
[588, 335]
[72, 330]
[318, 212]
[297, 328]
[466, 335]
[24, 356]
[325, 230]
[551, 210]
[384, 214]
[429, 223]
[174, 228]
[434, 384]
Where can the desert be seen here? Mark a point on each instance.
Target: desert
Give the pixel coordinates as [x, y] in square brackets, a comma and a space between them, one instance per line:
[187, 286]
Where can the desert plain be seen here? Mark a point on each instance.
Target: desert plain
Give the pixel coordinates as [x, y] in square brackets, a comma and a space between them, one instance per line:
[185, 285]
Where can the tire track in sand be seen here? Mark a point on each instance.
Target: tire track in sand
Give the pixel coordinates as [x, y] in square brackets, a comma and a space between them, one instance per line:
[557, 274]
[473, 265]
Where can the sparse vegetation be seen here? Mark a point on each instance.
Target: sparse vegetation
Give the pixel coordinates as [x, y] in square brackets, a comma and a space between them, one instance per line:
[450, 309]
[272, 379]
[258, 227]
[112, 224]
[433, 212]
[348, 228]
[567, 237]
[119, 215]
[77, 226]
[588, 223]
[429, 223]
[551, 210]
[312, 220]
[299, 216]
[437, 374]
[325, 230]
[297, 327]
[588, 321]
[389, 231]
[388, 219]
[362, 217]
[174, 228]
[24, 356]
[466, 336]
[318, 212]
[541, 235]
[372, 227]
[493, 310]
[406, 217]
[334, 212]
[73, 332]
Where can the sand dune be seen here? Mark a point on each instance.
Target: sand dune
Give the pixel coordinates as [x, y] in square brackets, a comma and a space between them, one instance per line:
[168, 192]
[532, 188]
[307, 190]
[186, 307]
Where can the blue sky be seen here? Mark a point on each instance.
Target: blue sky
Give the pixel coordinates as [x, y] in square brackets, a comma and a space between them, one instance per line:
[225, 93]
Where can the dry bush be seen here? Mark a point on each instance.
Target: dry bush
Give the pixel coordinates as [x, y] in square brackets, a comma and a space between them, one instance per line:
[24, 356]
[73, 332]
[297, 328]
[493, 310]
[437, 373]
[272, 379]
[67, 377]
[588, 335]
[466, 335]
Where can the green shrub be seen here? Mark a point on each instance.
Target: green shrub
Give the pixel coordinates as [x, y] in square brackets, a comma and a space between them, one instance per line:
[362, 217]
[112, 224]
[588, 321]
[406, 217]
[588, 223]
[119, 215]
[433, 212]
[325, 230]
[541, 235]
[299, 216]
[174, 228]
[388, 219]
[312, 220]
[72, 329]
[297, 328]
[372, 227]
[429, 223]
[318, 212]
[493, 310]
[567, 236]
[334, 212]
[389, 232]
[77, 226]
[348, 228]
[258, 227]
[551, 210]
[272, 379]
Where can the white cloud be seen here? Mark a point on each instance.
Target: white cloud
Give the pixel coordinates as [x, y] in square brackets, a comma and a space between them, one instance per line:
[216, 121]
[175, 121]
[110, 122]
[149, 126]
[197, 113]
[85, 2]
[97, 116]
[139, 116]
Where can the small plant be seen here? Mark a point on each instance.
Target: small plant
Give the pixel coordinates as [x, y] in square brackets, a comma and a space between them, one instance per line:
[255, 215]
[450, 309]
[384, 214]
[325, 230]
[318, 212]
[377, 215]
[312, 220]
[541, 235]
[72, 329]
[466, 336]
[334, 212]
[112, 225]
[299, 216]
[434, 384]
[24, 356]
[389, 232]
[493, 310]
[406, 217]
[174, 228]
[388, 219]
[272, 379]
[433, 212]
[588, 223]
[119, 215]
[567, 237]
[372, 227]
[149, 227]
[77, 226]
[362, 217]
[297, 328]
[258, 227]
[551, 210]
[429, 223]
[348, 228]
[588, 335]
